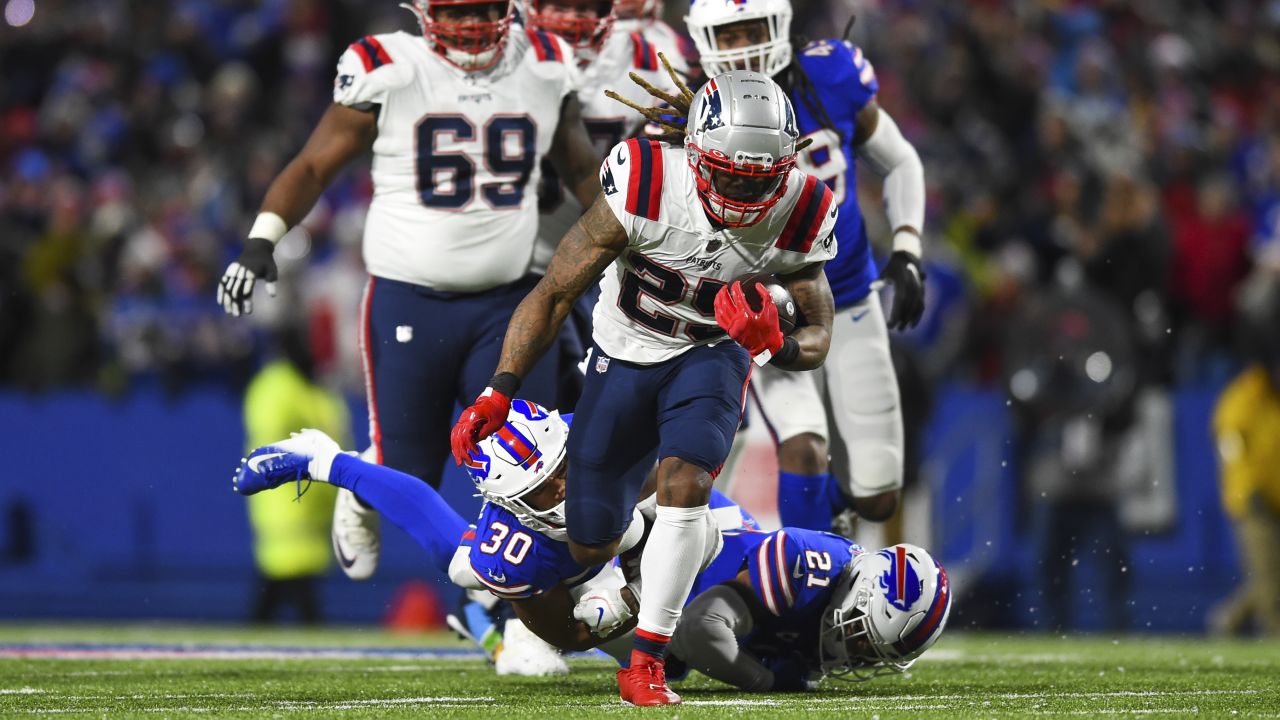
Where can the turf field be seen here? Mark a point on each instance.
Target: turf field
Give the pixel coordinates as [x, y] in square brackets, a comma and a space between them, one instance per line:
[171, 671]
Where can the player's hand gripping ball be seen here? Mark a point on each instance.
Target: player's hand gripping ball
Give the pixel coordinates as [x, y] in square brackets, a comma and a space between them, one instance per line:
[751, 311]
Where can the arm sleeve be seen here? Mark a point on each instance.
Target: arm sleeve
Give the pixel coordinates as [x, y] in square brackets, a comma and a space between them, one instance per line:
[890, 156]
[707, 639]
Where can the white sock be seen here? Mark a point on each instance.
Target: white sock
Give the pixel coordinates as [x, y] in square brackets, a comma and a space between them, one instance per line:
[634, 533]
[677, 545]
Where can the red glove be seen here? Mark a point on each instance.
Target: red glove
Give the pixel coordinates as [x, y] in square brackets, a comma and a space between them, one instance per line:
[755, 331]
[478, 422]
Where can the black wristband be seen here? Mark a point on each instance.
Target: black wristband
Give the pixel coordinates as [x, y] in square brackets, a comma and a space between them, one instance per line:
[506, 383]
[786, 354]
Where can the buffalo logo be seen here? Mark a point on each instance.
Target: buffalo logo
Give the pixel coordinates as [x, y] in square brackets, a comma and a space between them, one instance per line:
[902, 586]
[709, 118]
[477, 465]
[606, 179]
[531, 411]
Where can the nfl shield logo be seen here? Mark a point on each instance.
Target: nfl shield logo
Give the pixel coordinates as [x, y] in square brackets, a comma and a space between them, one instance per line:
[602, 364]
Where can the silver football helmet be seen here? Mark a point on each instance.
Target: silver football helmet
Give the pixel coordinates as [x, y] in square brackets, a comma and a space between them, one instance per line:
[516, 460]
[889, 608]
[770, 56]
[741, 143]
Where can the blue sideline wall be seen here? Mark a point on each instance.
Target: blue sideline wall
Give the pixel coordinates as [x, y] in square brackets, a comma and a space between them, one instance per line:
[134, 517]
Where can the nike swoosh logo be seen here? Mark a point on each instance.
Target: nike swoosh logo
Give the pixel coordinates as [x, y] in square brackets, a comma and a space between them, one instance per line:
[337, 550]
[498, 578]
[859, 316]
[796, 571]
[256, 462]
[599, 617]
[621, 159]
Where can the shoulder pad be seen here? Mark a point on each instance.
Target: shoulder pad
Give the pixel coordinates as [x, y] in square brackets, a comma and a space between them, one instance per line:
[770, 567]
[644, 56]
[548, 47]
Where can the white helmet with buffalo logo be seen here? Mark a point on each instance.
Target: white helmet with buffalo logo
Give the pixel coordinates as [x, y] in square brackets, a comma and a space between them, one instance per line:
[514, 461]
[889, 609]
[741, 144]
[771, 57]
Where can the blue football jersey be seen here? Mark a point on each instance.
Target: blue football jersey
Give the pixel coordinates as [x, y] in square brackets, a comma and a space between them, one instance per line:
[513, 561]
[845, 83]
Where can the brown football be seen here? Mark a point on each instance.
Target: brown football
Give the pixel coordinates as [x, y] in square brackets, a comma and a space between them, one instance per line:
[781, 298]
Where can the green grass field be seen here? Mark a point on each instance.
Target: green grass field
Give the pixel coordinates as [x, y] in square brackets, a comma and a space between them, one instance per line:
[92, 670]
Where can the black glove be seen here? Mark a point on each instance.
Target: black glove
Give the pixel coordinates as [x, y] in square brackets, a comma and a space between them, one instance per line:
[235, 290]
[903, 271]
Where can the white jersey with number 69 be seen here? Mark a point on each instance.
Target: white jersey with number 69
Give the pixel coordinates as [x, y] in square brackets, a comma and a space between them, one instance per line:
[455, 162]
[657, 299]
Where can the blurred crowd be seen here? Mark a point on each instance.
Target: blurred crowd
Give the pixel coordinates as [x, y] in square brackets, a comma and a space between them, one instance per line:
[1126, 150]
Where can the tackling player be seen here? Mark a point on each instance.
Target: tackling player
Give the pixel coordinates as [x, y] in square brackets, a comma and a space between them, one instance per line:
[457, 125]
[674, 226]
[833, 88]
[771, 613]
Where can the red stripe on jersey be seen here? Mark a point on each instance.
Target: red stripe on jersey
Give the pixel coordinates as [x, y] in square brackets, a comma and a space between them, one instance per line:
[381, 54]
[545, 46]
[644, 56]
[365, 57]
[644, 187]
[806, 217]
[366, 361]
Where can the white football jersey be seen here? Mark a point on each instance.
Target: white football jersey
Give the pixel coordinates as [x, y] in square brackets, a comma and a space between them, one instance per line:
[456, 160]
[607, 120]
[657, 299]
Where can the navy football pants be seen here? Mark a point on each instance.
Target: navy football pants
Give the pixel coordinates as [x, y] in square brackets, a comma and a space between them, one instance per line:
[426, 350]
[630, 416]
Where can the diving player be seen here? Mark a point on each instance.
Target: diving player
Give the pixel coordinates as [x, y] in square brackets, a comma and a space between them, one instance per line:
[674, 227]
[833, 88]
[800, 604]
[458, 120]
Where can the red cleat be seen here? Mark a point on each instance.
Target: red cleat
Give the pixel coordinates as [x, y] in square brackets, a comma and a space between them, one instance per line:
[645, 682]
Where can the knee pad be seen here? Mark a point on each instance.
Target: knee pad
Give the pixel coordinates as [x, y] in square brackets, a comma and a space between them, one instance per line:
[874, 467]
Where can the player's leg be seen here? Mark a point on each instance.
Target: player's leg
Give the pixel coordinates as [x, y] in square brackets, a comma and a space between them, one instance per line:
[612, 449]
[861, 391]
[792, 409]
[699, 408]
[410, 504]
[487, 316]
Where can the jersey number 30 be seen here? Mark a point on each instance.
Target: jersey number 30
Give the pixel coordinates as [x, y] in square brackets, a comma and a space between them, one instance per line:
[447, 178]
[517, 547]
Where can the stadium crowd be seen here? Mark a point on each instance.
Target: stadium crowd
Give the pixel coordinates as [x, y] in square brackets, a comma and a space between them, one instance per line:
[1134, 145]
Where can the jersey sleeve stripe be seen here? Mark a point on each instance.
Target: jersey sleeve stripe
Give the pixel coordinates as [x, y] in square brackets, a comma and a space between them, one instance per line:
[371, 53]
[644, 187]
[784, 579]
[545, 46]
[498, 588]
[766, 581]
[801, 216]
[645, 56]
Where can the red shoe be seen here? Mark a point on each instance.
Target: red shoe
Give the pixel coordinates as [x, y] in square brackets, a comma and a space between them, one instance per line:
[645, 683]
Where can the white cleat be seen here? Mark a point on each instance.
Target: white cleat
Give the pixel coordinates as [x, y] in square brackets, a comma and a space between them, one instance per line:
[523, 653]
[357, 536]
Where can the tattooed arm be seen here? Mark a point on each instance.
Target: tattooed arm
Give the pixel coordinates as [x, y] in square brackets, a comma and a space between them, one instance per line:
[588, 248]
[808, 286]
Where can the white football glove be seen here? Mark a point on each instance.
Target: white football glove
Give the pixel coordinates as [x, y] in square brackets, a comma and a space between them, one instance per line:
[603, 611]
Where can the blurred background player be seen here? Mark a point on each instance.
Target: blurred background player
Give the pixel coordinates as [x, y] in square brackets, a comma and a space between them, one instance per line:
[1246, 426]
[291, 533]
[833, 88]
[457, 126]
[607, 45]
[674, 226]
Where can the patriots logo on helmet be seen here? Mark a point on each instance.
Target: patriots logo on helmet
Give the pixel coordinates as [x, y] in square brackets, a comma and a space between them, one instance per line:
[900, 582]
[477, 464]
[710, 116]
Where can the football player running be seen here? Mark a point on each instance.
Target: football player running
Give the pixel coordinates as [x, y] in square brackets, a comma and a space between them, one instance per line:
[773, 612]
[833, 88]
[673, 226]
[458, 119]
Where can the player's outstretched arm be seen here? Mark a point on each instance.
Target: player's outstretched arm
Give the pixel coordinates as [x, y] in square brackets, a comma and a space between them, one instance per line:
[572, 153]
[586, 250]
[808, 287]
[880, 144]
[342, 134]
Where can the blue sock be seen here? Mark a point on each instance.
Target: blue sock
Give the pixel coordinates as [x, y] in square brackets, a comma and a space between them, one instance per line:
[410, 504]
[802, 501]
